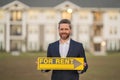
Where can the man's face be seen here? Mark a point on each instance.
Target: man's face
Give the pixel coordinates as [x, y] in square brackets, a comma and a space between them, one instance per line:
[64, 31]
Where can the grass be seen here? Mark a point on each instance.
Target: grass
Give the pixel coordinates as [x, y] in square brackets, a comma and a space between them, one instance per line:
[103, 68]
[23, 67]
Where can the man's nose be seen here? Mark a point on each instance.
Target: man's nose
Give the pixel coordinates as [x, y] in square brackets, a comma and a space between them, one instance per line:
[64, 30]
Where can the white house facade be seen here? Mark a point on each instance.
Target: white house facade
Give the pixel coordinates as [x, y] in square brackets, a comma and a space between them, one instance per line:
[25, 28]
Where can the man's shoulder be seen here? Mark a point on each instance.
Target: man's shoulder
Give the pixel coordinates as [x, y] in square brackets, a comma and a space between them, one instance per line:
[54, 43]
[76, 42]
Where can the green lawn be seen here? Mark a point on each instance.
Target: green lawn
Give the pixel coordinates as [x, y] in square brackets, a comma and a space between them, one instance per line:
[23, 67]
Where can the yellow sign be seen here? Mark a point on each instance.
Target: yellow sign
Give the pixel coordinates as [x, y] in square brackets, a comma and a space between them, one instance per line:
[57, 63]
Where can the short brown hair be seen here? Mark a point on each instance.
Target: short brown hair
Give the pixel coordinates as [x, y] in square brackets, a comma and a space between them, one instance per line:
[66, 21]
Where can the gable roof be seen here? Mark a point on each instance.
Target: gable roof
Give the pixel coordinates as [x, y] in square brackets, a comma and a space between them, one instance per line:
[15, 5]
[81, 3]
[67, 4]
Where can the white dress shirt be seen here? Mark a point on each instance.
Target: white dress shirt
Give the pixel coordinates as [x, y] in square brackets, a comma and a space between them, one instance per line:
[63, 48]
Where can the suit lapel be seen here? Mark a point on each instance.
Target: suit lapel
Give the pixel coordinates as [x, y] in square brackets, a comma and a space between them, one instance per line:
[57, 49]
[70, 48]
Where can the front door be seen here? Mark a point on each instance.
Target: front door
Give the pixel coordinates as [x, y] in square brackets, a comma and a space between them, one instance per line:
[15, 45]
[97, 47]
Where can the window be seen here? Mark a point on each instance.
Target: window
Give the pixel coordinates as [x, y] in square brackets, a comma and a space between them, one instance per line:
[1, 45]
[83, 17]
[66, 15]
[2, 15]
[32, 46]
[15, 29]
[1, 31]
[50, 15]
[113, 30]
[16, 15]
[35, 14]
[1, 28]
[113, 16]
[97, 16]
[33, 29]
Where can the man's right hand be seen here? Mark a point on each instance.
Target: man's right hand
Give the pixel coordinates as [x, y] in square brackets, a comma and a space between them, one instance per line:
[45, 70]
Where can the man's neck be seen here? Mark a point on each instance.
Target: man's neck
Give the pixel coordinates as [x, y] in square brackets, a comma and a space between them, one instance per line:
[64, 41]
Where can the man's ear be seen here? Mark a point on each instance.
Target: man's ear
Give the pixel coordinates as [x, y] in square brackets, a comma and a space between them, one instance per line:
[71, 32]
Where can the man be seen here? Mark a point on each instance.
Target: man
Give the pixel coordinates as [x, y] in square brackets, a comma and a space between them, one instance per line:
[66, 47]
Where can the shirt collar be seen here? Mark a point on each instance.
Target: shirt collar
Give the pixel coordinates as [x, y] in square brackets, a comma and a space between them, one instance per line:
[68, 41]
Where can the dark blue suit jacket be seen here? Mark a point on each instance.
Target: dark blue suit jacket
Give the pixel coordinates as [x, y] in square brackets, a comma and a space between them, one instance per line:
[75, 50]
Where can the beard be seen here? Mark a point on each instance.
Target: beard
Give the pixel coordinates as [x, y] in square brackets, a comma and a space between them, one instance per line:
[64, 36]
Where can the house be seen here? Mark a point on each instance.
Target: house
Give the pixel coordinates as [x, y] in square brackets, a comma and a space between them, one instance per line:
[30, 25]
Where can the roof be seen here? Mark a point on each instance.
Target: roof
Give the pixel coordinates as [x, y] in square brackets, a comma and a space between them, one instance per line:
[81, 3]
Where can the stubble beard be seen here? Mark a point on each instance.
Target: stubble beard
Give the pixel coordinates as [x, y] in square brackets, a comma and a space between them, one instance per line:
[64, 36]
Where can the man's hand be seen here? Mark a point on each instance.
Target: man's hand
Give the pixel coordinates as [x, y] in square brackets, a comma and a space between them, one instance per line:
[45, 70]
[84, 70]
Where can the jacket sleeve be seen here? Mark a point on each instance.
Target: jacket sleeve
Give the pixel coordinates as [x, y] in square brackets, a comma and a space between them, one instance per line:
[85, 60]
[48, 55]
[49, 51]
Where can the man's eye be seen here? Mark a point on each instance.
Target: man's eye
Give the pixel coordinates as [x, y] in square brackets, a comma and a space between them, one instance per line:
[66, 29]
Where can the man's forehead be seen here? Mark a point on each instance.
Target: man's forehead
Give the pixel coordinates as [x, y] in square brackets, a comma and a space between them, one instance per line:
[64, 25]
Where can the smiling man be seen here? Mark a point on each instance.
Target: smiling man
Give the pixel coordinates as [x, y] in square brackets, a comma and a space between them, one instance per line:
[66, 47]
